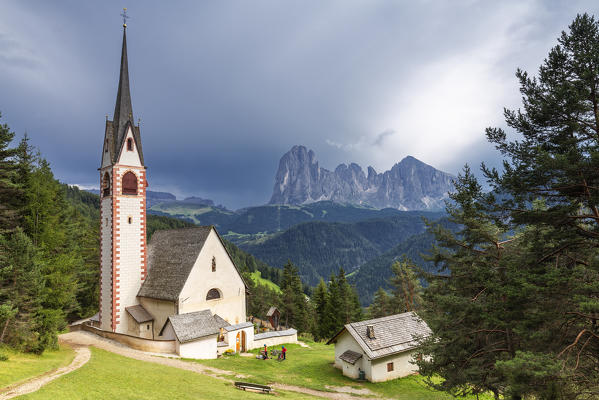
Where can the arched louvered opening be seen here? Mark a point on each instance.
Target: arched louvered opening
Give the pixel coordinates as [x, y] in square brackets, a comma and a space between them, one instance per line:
[129, 183]
[213, 294]
[106, 185]
[129, 144]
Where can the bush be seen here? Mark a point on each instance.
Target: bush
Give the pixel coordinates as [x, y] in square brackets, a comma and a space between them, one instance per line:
[3, 357]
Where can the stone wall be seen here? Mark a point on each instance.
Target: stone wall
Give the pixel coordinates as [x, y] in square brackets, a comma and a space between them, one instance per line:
[154, 346]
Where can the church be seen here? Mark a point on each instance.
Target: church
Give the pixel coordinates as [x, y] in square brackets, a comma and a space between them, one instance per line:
[181, 292]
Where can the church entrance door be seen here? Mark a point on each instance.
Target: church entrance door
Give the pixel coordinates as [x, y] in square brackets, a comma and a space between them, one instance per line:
[243, 344]
[237, 343]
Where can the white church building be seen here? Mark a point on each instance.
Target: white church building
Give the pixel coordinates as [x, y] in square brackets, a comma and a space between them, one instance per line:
[181, 292]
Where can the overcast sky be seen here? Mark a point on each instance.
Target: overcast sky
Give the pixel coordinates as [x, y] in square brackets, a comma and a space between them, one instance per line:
[224, 88]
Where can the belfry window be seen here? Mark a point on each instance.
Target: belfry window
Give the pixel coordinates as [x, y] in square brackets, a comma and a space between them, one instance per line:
[129, 183]
[106, 185]
[129, 144]
[213, 264]
[213, 294]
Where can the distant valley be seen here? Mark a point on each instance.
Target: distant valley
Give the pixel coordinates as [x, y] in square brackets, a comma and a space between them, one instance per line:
[320, 236]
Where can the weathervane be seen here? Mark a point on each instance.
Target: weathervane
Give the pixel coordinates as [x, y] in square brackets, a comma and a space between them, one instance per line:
[125, 17]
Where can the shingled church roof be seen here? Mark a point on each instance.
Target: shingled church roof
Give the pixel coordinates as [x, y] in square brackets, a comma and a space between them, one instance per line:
[392, 334]
[116, 130]
[171, 256]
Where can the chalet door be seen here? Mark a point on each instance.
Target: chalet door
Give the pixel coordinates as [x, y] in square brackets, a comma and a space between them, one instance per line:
[237, 343]
[243, 341]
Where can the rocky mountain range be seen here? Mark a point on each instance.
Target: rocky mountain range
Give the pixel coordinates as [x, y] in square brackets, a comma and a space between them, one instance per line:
[408, 185]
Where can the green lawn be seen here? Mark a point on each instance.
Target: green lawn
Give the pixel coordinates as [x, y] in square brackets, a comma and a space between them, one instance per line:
[22, 366]
[259, 280]
[312, 367]
[110, 376]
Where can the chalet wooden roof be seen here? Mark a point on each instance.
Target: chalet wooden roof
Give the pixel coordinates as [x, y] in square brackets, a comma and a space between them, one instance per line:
[392, 334]
[271, 311]
[350, 356]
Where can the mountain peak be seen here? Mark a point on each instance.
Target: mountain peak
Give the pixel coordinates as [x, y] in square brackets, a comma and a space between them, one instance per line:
[410, 184]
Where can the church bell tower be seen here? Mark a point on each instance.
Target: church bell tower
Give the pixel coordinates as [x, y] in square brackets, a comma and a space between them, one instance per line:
[122, 209]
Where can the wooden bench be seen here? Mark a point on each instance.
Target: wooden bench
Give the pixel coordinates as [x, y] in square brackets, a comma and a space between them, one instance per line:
[253, 386]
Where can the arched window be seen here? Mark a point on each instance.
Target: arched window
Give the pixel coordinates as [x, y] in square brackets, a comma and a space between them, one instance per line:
[106, 185]
[129, 183]
[129, 144]
[213, 294]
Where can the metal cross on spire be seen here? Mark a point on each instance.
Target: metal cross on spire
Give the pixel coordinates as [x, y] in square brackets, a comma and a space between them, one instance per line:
[125, 17]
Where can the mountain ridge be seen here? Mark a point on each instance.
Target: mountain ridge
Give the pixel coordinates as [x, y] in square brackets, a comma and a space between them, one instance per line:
[409, 185]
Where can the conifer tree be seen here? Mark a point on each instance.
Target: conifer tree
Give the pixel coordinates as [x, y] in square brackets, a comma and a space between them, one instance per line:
[295, 306]
[319, 301]
[381, 305]
[9, 189]
[407, 293]
[556, 159]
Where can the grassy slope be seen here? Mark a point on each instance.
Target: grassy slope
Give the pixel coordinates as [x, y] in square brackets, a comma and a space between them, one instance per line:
[259, 280]
[21, 366]
[110, 376]
[312, 367]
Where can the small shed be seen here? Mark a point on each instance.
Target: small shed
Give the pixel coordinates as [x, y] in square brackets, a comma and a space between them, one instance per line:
[196, 333]
[139, 322]
[382, 348]
[274, 317]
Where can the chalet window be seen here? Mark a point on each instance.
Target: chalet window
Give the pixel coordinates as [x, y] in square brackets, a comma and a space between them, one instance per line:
[389, 367]
[129, 144]
[213, 264]
[129, 183]
[213, 294]
[148, 326]
[106, 185]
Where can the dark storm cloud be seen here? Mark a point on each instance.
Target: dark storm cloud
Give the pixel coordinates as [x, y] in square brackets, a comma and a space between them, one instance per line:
[224, 88]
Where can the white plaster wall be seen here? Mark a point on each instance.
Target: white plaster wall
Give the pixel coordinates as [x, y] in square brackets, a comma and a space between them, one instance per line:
[160, 310]
[129, 247]
[345, 342]
[106, 264]
[401, 367]
[274, 341]
[203, 348]
[231, 339]
[127, 157]
[231, 305]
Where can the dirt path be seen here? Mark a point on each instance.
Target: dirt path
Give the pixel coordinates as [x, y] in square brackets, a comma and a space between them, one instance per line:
[81, 338]
[82, 355]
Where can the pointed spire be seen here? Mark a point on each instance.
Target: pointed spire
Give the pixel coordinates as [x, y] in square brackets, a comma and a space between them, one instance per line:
[123, 111]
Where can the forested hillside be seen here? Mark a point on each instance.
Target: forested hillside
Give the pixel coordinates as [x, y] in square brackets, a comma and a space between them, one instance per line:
[320, 248]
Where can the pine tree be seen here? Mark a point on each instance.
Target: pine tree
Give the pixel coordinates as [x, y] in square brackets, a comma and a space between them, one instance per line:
[21, 286]
[295, 306]
[9, 189]
[381, 305]
[319, 301]
[407, 293]
[556, 161]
